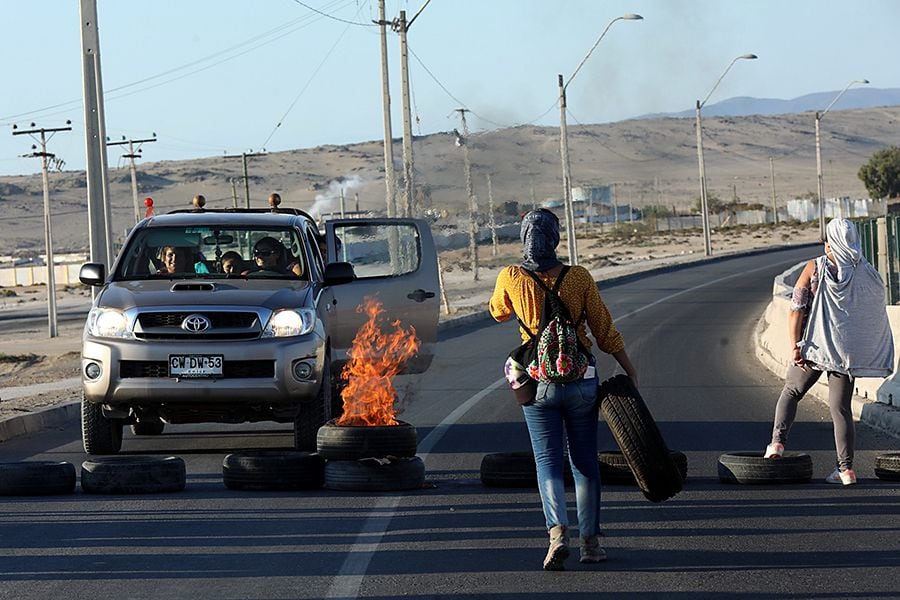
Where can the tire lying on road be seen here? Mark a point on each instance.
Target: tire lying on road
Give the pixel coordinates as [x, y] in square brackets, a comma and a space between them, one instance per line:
[639, 438]
[751, 468]
[509, 470]
[342, 442]
[614, 467]
[515, 470]
[273, 470]
[133, 475]
[375, 474]
[887, 466]
[36, 478]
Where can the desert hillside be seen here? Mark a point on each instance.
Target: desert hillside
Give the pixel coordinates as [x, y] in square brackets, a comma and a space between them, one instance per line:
[651, 161]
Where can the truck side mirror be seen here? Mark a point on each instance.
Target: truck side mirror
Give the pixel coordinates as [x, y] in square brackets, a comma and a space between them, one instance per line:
[337, 273]
[92, 274]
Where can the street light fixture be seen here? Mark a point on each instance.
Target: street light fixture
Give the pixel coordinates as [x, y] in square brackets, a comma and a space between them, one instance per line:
[564, 144]
[819, 180]
[704, 207]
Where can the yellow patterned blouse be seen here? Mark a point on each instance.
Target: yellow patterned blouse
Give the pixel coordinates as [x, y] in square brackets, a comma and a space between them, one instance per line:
[518, 294]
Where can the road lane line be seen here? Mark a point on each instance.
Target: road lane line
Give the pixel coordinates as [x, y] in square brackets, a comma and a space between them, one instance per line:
[347, 582]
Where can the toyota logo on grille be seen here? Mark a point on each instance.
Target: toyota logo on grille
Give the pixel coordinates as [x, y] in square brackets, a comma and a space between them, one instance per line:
[195, 323]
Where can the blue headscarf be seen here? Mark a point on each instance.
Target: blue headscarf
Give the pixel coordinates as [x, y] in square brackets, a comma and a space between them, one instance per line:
[540, 237]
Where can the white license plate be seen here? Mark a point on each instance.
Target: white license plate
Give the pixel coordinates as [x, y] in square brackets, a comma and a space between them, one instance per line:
[195, 365]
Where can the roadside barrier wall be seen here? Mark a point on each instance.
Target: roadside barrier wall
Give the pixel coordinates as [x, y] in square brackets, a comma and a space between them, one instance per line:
[65, 274]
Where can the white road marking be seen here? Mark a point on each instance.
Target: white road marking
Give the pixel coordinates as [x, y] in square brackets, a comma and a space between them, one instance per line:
[347, 582]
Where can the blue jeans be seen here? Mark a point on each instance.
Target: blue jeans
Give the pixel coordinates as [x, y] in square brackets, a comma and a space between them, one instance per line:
[560, 411]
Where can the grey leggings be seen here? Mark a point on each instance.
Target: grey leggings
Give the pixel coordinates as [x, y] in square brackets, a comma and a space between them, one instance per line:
[840, 391]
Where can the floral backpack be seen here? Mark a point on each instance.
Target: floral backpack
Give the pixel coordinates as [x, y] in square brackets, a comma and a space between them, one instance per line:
[554, 354]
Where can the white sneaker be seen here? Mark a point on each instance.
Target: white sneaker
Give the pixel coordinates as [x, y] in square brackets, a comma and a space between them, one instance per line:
[847, 477]
[774, 450]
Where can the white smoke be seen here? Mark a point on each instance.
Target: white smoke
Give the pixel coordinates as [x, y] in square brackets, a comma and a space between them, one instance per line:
[329, 201]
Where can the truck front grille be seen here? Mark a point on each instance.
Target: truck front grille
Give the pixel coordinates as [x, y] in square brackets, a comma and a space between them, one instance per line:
[231, 369]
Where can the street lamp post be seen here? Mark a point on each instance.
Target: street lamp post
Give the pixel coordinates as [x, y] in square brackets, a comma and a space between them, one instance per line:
[819, 181]
[564, 145]
[704, 207]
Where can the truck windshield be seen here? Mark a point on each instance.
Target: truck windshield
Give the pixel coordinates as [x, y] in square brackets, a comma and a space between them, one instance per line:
[212, 253]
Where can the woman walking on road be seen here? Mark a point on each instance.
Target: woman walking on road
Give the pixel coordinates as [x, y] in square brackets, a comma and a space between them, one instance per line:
[838, 325]
[555, 412]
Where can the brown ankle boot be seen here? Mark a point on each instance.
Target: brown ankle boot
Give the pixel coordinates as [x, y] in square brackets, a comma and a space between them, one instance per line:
[559, 549]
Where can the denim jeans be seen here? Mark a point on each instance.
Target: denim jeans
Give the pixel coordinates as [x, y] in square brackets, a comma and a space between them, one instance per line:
[561, 411]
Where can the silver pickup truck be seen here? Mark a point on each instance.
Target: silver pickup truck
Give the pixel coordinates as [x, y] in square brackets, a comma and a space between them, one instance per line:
[243, 315]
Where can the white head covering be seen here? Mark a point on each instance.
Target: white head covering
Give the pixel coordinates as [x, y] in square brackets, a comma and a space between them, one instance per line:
[843, 238]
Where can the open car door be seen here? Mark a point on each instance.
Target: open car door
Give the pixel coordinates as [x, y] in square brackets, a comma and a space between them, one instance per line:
[394, 260]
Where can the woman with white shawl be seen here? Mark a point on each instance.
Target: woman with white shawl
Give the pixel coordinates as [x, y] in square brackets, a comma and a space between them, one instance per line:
[838, 325]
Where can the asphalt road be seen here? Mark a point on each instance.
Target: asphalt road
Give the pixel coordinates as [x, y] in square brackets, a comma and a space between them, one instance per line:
[689, 333]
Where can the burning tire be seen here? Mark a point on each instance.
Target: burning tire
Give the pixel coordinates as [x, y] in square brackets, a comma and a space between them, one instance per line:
[751, 468]
[637, 435]
[614, 467]
[887, 466]
[375, 474]
[133, 475]
[343, 442]
[273, 470]
[36, 478]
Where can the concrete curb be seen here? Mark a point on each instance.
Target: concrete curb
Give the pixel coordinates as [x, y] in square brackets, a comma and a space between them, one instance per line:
[47, 418]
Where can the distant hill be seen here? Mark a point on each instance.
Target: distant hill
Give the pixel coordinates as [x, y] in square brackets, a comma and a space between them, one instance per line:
[649, 161]
[741, 106]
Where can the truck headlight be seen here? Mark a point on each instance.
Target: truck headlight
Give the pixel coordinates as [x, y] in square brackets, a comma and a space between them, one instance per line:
[108, 323]
[288, 322]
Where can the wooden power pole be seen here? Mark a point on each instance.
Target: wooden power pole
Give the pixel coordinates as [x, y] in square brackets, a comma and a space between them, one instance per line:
[131, 156]
[463, 141]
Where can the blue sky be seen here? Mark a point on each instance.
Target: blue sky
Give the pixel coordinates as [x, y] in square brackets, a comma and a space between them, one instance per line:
[217, 76]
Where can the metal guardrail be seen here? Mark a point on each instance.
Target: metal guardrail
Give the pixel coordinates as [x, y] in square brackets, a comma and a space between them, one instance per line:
[880, 239]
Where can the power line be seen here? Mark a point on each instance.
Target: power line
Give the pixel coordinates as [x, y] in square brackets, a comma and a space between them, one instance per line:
[315, 10]
[305, 21]
[308, 82]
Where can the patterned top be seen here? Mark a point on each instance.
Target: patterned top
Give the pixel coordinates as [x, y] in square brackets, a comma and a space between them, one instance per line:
[517, 293]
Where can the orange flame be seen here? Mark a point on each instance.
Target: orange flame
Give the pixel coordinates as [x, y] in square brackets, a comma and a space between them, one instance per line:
[376, 358]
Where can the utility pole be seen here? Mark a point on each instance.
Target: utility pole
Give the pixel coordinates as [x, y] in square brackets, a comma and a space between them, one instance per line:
[343, 205]
[98, 208]
[356, 197]
[233, 193]
[401, 27]
[473, 203]
[615, 206]
[774, 201]
[244, 156]
[567, 177]
[132, 154]
[48, 236]
[494, 248]
[390, 186]
[533, 198]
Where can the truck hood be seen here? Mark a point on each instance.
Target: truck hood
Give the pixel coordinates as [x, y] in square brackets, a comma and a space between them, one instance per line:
[271, 294]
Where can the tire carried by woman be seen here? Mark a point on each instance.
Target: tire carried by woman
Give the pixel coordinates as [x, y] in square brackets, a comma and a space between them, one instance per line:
[641, 442]
[614, 467]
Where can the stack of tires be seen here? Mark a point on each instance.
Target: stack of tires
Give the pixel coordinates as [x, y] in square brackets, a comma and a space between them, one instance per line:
[374, 458]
